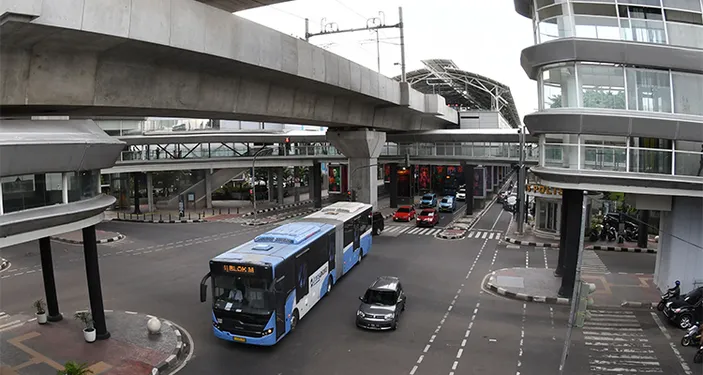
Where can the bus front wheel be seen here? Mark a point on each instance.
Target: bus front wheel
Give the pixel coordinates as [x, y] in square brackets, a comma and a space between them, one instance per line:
[294, 320]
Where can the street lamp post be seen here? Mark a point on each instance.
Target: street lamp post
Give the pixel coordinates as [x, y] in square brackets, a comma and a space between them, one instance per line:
[522, 199]
[253, 177]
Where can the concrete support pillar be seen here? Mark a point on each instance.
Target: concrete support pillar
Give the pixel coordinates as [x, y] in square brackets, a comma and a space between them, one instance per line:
[279, 178]
[362, 147]
[316, 184]
[296, 188]
[574, 199]
[393, 186]
[208, 189]
[469, 182]
[150, 190]
[136, 178]
[270, 184]
[559, 272]
[64, 187]
[643, 230]
[95, 294]
[47, 269]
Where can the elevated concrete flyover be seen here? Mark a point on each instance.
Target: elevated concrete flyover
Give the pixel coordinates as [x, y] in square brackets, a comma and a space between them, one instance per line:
[183, 58]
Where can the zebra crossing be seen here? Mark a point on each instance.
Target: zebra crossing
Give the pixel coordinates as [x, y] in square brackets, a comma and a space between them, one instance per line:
[591, 263]
[617, 344]
[9, 321]
[397, 230]
[484, 235]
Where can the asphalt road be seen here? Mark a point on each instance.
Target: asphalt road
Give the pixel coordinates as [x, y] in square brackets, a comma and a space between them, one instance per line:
[451, 326]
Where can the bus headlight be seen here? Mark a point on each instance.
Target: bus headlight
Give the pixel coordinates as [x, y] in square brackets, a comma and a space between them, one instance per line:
[267, 332]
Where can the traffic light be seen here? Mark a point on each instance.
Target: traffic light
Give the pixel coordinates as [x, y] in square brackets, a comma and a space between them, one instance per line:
[351, 196]
[585, 300]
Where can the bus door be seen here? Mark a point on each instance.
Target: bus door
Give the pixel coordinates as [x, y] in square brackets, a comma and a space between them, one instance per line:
[357, 233]
[283, 287]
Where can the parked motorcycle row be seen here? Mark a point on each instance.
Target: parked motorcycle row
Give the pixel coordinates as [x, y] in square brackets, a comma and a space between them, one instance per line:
[686, 312]
[608, 230]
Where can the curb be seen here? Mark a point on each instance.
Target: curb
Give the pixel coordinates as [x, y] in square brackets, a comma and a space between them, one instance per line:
[162, 221]
[622, 249]
[281, 218]
[525, 297]
[451, 237]
[176, 354]
[80, 242]
[527, 243]
[283, 207]
[639, 304]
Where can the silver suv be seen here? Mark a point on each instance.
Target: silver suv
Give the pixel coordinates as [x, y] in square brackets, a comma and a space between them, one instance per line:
[382, 304]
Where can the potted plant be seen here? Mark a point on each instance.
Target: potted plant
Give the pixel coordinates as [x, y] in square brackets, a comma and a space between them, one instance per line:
[41, 312]
[87, 319]
[73, 368]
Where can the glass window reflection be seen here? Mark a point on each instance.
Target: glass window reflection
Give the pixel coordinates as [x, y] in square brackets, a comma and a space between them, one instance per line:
[30, 191]
[648, 90]
[559, 87]
[602, 86]
[83, 185]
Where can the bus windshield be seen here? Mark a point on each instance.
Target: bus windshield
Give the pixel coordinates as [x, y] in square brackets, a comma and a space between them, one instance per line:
[249, 294]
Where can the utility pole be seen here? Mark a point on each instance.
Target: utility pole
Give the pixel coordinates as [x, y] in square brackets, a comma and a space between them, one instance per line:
[372, 24]
[522, 198]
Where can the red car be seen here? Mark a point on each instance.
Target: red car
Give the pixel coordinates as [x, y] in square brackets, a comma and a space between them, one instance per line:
[428, 217]
[404, 213]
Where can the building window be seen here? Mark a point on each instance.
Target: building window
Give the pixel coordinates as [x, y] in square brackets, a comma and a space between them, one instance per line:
[602, 86]
[648, 90]
[694, 5]
[559, 87]
[83, 185]
[688, 93]
[31, 191]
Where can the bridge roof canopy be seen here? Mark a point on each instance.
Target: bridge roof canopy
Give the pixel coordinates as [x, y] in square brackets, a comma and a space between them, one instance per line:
[464, 89]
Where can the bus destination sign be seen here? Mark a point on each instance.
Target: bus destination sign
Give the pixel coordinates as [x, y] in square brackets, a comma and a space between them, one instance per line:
[237, 268]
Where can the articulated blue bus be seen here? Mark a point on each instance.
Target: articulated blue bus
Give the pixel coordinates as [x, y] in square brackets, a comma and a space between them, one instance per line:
[261, 289]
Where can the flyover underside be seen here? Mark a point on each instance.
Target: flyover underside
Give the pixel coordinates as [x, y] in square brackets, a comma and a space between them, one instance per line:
[56, 71]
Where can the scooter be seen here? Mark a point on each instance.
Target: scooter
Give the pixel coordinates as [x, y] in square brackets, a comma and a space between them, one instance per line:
[671, 293]
[693, 337]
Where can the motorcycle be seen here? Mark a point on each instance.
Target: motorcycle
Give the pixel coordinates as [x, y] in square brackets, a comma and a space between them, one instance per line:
[693, 336]
[683, 310]
[671, 293]
[596, 233]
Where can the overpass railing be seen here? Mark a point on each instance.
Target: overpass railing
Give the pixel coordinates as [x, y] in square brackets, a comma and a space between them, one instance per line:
[180, 151]
[615, 158]
[464, 149]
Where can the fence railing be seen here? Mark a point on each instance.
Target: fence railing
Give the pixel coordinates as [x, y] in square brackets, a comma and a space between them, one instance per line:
[623, 159]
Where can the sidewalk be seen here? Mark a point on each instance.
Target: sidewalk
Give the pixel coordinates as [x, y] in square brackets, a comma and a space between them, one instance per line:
[540, 285]
[221, 210]
[33, 349]
[76, 237]
[528, 238]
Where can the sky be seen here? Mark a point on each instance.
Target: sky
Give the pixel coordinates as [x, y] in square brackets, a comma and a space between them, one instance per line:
[483, 37]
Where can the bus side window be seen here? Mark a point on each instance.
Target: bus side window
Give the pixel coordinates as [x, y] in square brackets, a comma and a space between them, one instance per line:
[301, 275]
[331, 249]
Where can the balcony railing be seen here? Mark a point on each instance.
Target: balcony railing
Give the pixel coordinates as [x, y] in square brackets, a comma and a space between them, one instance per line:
[219, 150]
[623, 159]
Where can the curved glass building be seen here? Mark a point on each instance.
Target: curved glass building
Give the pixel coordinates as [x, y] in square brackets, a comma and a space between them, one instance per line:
[621, 109]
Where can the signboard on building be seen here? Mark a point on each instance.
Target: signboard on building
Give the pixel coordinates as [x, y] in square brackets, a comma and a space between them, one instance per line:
[541, 190]
[335, 179]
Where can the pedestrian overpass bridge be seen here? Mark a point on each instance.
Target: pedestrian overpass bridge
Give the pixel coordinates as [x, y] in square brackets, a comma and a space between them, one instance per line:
[220, 150]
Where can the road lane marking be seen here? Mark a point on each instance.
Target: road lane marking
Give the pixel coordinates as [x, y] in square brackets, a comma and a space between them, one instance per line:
[682, 362]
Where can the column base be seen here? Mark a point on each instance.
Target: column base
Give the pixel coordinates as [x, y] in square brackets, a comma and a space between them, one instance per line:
[559, 272]
[103, 336]
[54, 318]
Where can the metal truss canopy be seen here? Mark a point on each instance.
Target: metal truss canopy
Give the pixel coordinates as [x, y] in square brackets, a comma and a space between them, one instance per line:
[464, 89]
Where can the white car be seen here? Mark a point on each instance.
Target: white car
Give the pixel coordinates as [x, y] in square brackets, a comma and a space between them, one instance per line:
[461, 195]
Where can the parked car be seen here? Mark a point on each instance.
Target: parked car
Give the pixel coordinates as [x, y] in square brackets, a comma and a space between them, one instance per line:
[404, 213]
[427, 217]
[382, 304]
[448, 204]
[428, 200]
[377, 223]
[461, 194]
[685, 310]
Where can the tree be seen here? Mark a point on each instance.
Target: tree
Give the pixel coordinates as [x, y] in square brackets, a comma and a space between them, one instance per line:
[595, 99]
